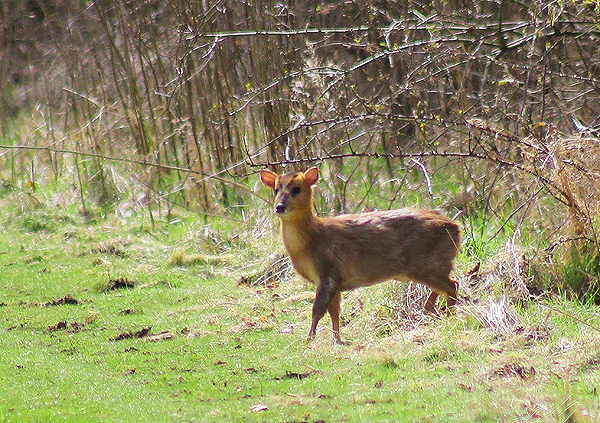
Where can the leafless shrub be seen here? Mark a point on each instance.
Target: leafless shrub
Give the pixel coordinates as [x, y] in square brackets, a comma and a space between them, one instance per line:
[505, 276]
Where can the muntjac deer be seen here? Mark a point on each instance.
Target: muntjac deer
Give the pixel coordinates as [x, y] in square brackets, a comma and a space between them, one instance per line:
[349, 251]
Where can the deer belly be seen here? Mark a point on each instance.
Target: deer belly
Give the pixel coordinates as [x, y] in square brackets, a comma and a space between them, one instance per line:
[370, 272]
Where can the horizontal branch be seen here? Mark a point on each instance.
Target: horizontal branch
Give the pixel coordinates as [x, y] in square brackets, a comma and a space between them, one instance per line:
[396, 26]
[448, 154]
[553, 189]
[216, 175]
[430, 25]
[283, 32]
[96, 155]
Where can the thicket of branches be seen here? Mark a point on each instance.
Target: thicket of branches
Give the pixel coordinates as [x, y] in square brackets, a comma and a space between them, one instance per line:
[176, 102]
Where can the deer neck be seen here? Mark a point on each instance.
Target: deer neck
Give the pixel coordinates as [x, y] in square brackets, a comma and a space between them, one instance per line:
[299, 238]
[297, 233]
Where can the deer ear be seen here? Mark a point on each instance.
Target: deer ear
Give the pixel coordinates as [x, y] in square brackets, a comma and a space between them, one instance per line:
[311, 175]
[268, 178]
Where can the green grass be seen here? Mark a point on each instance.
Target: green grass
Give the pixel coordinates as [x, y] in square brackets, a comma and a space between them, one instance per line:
[225, 352]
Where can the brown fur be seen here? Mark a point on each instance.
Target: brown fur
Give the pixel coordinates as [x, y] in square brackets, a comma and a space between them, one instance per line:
[349, 251]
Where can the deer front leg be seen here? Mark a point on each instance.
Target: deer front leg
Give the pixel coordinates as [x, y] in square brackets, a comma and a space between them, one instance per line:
[328, 298]
[335, 309]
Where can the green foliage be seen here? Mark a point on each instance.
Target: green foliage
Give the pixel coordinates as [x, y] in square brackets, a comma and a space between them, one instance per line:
[572, 270]
[392, 101]
[581, 272]
[99, 322]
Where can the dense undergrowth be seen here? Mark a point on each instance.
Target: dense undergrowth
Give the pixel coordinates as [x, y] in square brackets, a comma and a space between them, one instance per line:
[485, 110]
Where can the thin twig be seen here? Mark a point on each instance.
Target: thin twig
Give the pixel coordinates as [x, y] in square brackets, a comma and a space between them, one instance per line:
[570, 316]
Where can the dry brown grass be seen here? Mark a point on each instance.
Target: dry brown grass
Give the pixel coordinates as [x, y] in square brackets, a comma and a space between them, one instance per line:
[488, 295]
[575, 170]
[277, 270]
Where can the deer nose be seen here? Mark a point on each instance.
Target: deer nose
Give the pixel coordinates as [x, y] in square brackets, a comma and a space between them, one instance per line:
[280, 208]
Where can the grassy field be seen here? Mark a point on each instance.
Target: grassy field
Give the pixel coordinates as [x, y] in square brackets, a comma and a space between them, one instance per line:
[121, 320]
[142, 274]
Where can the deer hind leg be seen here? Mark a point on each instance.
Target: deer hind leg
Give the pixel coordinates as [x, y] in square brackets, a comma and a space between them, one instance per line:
[446, 286]
[430, 303]
[452, 296]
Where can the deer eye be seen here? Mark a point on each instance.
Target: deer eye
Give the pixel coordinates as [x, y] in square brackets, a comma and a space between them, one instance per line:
[296, 191]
